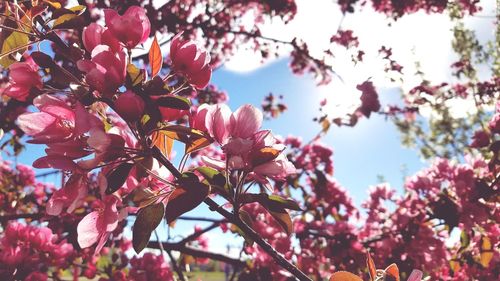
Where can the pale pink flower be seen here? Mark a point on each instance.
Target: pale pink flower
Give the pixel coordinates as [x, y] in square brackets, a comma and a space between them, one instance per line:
[416, 275]
[54, 123]
[217, 122]
[96, 226]
[190, 60]
[245, 121]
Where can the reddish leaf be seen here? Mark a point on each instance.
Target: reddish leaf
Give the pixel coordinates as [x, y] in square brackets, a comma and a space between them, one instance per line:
[344, 276]
[117, 177]
[194, 139]
[147, 220]
[264, 155]
[371, 267]
[189, 194]
[155, 58]
[163, 142]
[392, 273]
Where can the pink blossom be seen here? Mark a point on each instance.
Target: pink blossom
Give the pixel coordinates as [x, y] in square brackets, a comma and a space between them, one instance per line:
[190, 60]
[150, 267]
[106, 70]
[54, 123]
[71, 196]
[95, 34]
[217, 122]
[369, 98]
[480, 139]
[130, 106]
[245, 122]
[98, 225]
[245, 145]
[23, 77]
[132, 28]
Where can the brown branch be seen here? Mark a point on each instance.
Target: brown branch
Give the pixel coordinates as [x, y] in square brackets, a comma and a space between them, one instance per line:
[201, 232]
[234, 219]
[196, 252]
[35, 216]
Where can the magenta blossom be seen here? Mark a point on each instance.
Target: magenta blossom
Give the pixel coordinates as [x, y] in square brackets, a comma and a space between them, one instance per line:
[71, 196]
[130, 106]
[23, 77]
[132, 28]
[106, 70]
[190, 60]
[94, 35]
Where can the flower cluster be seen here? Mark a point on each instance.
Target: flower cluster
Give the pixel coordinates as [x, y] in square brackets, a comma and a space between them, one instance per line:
[27, 250]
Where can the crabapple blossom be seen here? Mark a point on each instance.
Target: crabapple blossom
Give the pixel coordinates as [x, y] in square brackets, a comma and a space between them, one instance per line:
[94, 35]
[131, 28]
[130, 106]
[190, 60]
[23, 77]
[105, 71]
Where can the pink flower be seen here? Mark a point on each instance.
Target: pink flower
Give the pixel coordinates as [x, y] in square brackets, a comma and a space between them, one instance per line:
[132, 28]
[94, 35]
[245, 145]
[23, 77]
[494, 123]
[57, 121]
[191, 61]
[98, 225]
[71, 196]
[369, 98]
[416, 275]
[245, 121]
[217, 122]
[54, 123]
[279, 168]
[197, 119]
[480, 139]
[130, 106]
[106, 70]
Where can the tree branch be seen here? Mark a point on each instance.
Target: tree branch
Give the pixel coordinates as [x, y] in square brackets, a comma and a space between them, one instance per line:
[196, 252]
[234, 219]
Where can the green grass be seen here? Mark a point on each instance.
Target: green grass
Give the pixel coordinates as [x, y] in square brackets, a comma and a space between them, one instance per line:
[206, 276]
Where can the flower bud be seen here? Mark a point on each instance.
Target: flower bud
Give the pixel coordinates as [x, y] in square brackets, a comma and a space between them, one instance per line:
[130, 106]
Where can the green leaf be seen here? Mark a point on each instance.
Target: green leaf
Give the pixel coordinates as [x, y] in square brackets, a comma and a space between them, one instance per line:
[117, 177]
[283, 202]
[12, 46]
[283, 219]
[146, 222]
[68, 21]
[174, 102]
[135, 76]
[215, 178]
[187, 195]
[271, 202]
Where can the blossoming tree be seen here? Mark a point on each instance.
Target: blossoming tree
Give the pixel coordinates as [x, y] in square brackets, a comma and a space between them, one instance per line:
[108, 120]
